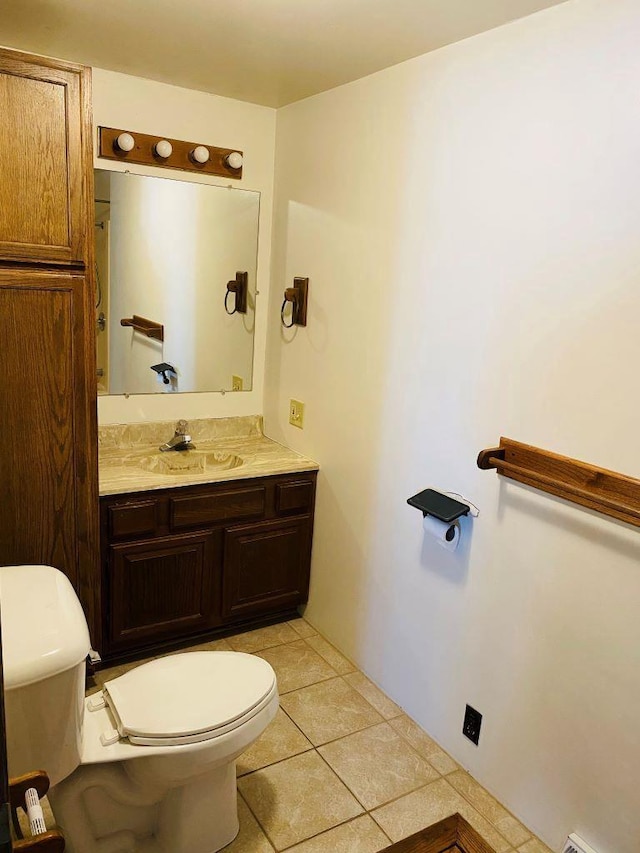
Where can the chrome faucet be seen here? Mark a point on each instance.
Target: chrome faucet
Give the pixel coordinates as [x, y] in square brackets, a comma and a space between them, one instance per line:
[181, 439]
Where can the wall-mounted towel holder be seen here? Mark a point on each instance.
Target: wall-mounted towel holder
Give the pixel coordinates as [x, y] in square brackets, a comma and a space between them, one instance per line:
[239, 287]
[599, 489]
[442, 507]
[298, 296]
[148, 328]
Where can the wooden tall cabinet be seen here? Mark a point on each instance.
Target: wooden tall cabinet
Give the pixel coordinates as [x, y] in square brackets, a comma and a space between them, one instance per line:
[48, 424]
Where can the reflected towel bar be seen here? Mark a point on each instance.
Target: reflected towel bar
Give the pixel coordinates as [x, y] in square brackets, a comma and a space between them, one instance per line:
[599, 489]
[146, 327]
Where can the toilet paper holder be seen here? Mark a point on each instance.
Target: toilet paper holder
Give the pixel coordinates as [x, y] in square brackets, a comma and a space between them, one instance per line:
[440, 506]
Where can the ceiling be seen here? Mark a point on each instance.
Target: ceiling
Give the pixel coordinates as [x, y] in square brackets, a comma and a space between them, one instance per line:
[270, 52]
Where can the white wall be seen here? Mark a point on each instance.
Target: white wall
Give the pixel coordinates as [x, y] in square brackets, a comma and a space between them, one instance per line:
[470, 224]
[146, 106]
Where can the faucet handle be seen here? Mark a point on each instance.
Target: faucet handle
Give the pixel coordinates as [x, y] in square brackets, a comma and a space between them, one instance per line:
[182, 427]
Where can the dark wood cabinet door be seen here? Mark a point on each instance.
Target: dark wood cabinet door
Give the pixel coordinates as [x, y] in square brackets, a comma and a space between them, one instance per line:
[45, 139]
[266, 567]
[48, 451]
[161, 588]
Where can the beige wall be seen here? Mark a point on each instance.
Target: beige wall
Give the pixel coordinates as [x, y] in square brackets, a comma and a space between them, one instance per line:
[146, 106]
[470, 224]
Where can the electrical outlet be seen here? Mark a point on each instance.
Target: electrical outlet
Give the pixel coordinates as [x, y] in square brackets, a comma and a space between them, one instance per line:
[296, 413]
[472, 723]
[236, 383]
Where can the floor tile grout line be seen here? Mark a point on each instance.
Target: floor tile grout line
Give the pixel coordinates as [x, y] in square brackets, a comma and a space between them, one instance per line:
[279, 761]
[316, 834]
[343, 737]
[337, 775]
[509, 814]
[337, 651]
[256, 818]
[289, 717]
[315, 747]
[331, 828]
[385, 720]
[424, 758]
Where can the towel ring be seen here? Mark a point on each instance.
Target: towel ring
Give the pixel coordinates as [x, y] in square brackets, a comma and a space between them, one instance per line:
[297, 296]
[293, 311]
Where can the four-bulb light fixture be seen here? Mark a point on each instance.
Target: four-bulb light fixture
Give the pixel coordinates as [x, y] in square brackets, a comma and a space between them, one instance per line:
[162, 150]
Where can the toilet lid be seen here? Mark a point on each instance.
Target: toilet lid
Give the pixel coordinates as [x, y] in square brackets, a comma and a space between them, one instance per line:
[189, 697]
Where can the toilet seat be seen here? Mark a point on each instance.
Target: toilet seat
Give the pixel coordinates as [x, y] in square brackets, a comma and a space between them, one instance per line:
[189, 698]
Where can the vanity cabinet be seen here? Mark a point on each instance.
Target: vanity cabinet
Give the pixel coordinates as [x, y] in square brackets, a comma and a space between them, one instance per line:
[48, 455]
[198, 560]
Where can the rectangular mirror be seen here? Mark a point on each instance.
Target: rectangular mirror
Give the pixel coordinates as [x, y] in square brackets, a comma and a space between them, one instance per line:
[165, 252]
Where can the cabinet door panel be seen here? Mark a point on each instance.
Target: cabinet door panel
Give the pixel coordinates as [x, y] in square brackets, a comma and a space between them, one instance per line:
[266, 567]
[48, 455]
[160, 588]
[43, 155]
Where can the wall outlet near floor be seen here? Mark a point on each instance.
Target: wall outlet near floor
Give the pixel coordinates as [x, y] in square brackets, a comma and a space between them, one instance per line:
[574, 844]
[236, 383]
[296, 413]
[472, 723]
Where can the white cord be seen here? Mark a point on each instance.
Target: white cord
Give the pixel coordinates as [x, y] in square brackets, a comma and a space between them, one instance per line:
[465, 500]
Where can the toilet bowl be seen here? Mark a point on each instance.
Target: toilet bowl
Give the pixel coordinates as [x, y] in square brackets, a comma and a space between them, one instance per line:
[148, 764]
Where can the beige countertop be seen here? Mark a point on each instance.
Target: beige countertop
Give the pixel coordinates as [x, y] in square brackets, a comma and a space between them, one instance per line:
[226, 449]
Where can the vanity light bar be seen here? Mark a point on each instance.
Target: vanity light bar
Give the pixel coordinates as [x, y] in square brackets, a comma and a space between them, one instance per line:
[132, 147]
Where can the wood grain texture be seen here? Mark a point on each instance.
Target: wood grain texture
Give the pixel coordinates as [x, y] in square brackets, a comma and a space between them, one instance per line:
[85, 384]
[39, 506]
[144, 154]
[218, 505]
[42, 142]
[266, 566]
[608, 492]
[48, 381]
[453, 834]
[159, 577]
[161, 587]
[49, 842]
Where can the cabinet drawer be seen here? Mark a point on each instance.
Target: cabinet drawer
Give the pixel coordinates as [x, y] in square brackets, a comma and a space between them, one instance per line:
[228, 505]
[294, 497]
[133, 519]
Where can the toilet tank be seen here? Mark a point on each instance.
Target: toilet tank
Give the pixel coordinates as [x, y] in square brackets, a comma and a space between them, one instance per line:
[45, 641]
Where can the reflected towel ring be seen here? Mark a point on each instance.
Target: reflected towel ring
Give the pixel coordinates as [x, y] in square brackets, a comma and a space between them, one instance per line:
[284, 305]
[238, 286]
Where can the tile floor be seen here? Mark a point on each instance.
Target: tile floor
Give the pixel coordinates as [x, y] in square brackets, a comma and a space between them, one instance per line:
[341, 769]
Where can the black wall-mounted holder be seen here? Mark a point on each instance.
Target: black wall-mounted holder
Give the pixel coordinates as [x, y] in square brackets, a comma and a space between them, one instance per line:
[163, 369]
[442, 507]
[239, 286]
[298, 297]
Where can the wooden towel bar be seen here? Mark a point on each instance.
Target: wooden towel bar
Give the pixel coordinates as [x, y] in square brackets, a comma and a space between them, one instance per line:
[605, 491]
[149, 328]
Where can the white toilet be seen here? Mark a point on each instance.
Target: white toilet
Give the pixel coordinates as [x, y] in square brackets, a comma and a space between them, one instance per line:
[148, 764]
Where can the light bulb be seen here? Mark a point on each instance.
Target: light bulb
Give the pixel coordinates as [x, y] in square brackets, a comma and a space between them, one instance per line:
[163, 149]
[234, 160]
[200, 154]
[125, 142]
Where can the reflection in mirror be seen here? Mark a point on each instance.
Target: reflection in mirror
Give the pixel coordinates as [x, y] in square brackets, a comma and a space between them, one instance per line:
[165, 251]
